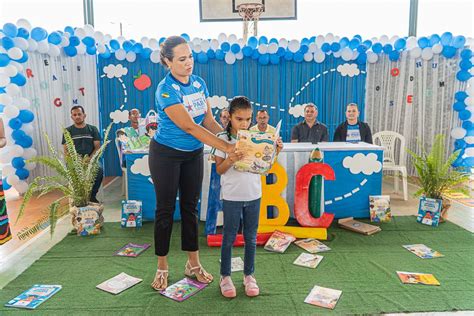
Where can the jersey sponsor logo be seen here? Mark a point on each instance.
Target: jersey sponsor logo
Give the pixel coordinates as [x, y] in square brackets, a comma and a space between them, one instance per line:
[195, 104]
[165, 95]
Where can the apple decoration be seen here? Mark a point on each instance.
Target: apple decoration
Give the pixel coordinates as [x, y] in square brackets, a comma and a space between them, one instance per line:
[141, 81]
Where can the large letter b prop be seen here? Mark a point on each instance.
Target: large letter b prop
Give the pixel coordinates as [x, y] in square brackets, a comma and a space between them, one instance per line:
[271, 196]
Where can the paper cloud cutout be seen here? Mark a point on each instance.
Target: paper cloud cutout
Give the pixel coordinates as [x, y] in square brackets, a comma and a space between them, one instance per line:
[115, 71]
[362, 163]
[140, 166]
[219, 102]
[297, 110]
[119, 116]
[350, 70]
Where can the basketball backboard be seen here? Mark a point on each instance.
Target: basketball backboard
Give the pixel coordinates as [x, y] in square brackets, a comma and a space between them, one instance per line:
[226, 10]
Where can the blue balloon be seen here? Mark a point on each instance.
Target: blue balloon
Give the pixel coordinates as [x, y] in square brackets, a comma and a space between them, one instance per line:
[464, 115]
[114, 44]
[344, 42]
[326, 47]
[460, 143]
[467, 125]
[146, 52]
[4, 60]
[273, 40]
[7, 43]
[225, 47]
[288, 56]
[69, 29]
[107, 54]
[1, 108]
[220, 55]
[463, 75]
[23, 33]
[387, 48]
[298, 57]
[255, 54]
[354, 43]
[247, 51]
[263, 40]
[22, 173]
[465, 64]
[400, 44]
[281, 52]
[460, 95]
[312, 39]
[74, 41]
[468, 162]
[91, 50]
[18, 162]
[459, 106]
[10, 29]
[23, 58]
[38, 34]
[358, 37]
[26, 116]
[211, 54]
[19, 80]
[305, 41]
[186, 37]
[377, 48]
[394, 55]
[362, 58]
[6, 185]
[235, 48]
[15, 123]
[264, 59]
[367, 43]
[459, 41]
[434, 39]
[274, 59]
[304, 49]
[18, 134]
[137, 48]
[88, 41]
[54, 38]
[252, 42]
[423, 42]
[361, 48]
[202, 58]
[448, 51]
[466, 53]
[25, 142]
[335, 47]
[162, 39]
[446, 38]
[71, 51]
[127, 46]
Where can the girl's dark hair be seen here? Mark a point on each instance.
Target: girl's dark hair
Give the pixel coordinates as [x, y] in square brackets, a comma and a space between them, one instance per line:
[237, 103]
[166, 48]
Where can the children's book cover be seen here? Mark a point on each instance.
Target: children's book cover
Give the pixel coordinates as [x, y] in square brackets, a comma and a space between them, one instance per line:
[429, 211]
[363, 228]
[118, 283]
[279, 242]
[308, 260]
[34, 296]
[380, 208]
[132, 250]
[323, 297]
[423, 251]
[87, 221]
[417, 278]
[131, 213]
[312, 245]
[183, 289]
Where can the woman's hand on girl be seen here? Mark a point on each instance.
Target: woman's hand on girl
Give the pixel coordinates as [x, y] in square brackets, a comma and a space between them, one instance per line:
[235, 156]
[279, 144]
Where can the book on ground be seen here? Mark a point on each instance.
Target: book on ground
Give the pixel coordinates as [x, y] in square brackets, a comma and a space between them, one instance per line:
[183, 289]
[312, 245]
[363, 228]
[279, 241]
[423, 251]
[308, 260]
[429, 211]
[118, 283]
[132, 250]
[237, 264]
[34, 296]
[380, 208]
[323, 297]
[417, 278]
[131, 213]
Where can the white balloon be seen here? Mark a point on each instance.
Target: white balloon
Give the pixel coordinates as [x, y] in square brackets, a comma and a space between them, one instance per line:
[24, 23]
[11, 111]
[144, 40]
[411, 42]
[294, 46]
[99, 37]
[22, 103]
[29, 153]
[81, 49]
[205, 45]
[241, 42]
[230, 58]
[21, 43]
[13, 179]
[43, 47]
[469, 152]
[262, 49]
[337, 54]
[131, 57]
[355, 54]
[17, 151]
[214, 44]
[153, 43]
[197, 48]
[54, 51]
[101, 48]
[308, 57]
[458, 132]
[232, 39]
[5, 155]
[12, 90]
[120, 54]
[372, 57]
[415, 52]
[32, 45]
[5, 99]
[222, 37]
[30, 166]
[437, 48]
[319, 56]
[329, 38]
[319, 40]
[10, 71]
[384, 39]
[155, 56]
[273, 48]
[239, 55]
[121, 39]
[8, 169]
[312, 47]
[80, 32]
[191, 45]
[427, 53]
[89, 29]
[196, 41]
[4, 80]
[17, 65]
[27, 128]
[21, 187]
[283, 42]
[393, 39]
[15, 53]
[469, 101]
[346, 54]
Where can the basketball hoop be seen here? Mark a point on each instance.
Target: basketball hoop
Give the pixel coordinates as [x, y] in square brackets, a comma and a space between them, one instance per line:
[250, 12]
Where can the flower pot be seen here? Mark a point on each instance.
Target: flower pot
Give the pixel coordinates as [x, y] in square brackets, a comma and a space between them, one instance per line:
[87, 220]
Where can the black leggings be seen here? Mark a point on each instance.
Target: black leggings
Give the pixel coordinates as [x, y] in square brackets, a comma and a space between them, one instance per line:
[173, 169]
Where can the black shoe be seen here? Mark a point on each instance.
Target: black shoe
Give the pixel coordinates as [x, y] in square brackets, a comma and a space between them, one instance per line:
[94, 200]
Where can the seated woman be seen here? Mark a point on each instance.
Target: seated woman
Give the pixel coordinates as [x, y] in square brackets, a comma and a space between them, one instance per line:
[353, 130]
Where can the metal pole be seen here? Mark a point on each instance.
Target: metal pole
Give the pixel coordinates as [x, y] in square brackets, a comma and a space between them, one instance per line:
[413, 18]
[88, 12]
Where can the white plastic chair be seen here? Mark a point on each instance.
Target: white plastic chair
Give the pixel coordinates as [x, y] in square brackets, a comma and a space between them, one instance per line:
[391, 162]
[124, 170]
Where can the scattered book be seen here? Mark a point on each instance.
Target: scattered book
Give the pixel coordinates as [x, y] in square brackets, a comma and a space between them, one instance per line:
[429, 211]
[237, 264]
[34, 296]
[132, 250]
[118, 283]
[279, 241]
[423, 251]
[87, 220]
[131, 213]
[417, 278]
[323, 297]
[380, 208]
[312, 245]
[351, 224]
[183, 289]
[308, 260]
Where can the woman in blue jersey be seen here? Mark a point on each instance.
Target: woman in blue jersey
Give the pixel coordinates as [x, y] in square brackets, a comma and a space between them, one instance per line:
[185, 122]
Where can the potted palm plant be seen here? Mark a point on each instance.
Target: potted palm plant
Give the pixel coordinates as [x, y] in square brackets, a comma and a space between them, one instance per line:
[75, 175]
[436, 176]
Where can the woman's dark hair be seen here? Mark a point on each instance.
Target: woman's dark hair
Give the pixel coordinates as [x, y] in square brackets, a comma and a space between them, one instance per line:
[237, 103]
[166, 48]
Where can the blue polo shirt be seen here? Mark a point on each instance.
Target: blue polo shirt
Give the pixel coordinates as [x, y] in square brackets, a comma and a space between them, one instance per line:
[193, 97]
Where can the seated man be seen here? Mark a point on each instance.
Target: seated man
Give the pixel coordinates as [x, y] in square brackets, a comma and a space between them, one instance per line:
[353, 130]
[134, 116]
[262, 123]
[310, 130]
[86, 141]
